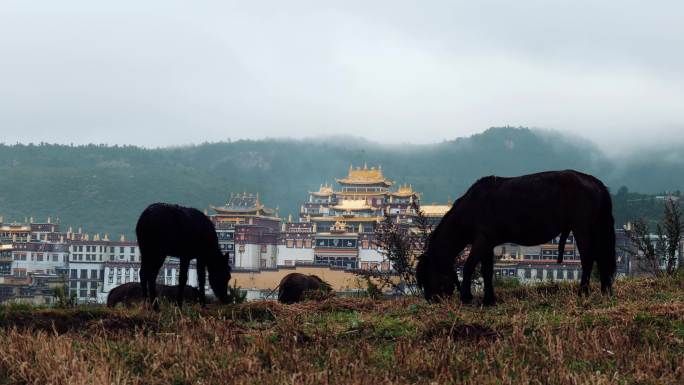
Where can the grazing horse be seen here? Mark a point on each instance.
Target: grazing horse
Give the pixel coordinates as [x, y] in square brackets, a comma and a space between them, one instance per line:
[527, 210]
[186, 233]
[294, 286]
[130, 293]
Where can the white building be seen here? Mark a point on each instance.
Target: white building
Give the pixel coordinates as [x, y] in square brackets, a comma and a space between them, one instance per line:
[39, 258]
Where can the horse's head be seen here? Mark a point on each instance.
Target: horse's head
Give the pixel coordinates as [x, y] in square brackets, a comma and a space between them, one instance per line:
[435, 277]
[219, 276]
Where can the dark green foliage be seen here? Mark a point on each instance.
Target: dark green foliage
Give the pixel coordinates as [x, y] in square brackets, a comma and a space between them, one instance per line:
[104, 189]
[236, 295]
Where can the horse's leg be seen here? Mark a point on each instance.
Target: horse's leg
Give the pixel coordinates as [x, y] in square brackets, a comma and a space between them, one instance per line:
[602, 253]
[584, 245]
[468, 268]
[201, 276]
[182, 280]
[151, 276]
[487, 265]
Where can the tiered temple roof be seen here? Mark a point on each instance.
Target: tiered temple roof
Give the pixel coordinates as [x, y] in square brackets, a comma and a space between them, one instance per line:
[434, 210]
[365, 176]
[324, 191]
[244, 204]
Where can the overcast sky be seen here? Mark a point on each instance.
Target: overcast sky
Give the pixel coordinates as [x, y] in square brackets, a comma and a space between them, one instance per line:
[167, 72]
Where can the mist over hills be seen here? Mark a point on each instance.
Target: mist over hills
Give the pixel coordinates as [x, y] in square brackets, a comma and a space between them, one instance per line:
[104, 188]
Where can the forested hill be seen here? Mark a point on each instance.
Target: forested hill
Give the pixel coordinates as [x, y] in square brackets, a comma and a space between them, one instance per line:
[104, 188]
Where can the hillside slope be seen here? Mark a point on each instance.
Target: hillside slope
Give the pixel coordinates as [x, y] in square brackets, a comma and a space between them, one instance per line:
[539, 335]
[104, 188]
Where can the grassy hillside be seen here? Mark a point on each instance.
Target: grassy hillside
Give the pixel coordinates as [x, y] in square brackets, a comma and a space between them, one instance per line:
[542, 334]
[104, 188]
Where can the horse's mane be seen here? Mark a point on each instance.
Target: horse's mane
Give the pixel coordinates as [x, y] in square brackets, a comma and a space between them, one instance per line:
[324, 285]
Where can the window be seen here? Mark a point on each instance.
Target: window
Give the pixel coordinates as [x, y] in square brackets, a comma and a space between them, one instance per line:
[93, 293]
[528, 273]
[73, 284]
[74, 274]
[93, 274]
[264, 248]
[290, 243]
[121, 249]
[84, 274]
[300, 243]
[307, 244]
[82, 293]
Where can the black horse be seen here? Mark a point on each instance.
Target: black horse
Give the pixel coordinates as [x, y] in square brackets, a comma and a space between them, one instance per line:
[527, 210]
[186, 233]
[294, 286]
[131, 293]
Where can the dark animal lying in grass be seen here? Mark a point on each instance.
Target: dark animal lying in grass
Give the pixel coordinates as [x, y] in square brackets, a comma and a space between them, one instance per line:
[527, 210]
[131, 293]
[171, 230]
[295, 287]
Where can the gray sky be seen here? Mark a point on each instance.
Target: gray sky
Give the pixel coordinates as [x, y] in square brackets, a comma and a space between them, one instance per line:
[175, 72]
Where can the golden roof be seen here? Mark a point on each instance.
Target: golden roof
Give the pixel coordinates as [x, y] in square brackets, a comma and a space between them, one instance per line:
[404, 191]
[365, 175]
[15, 228]
[353, 205]
[435, 210]
[325, 190]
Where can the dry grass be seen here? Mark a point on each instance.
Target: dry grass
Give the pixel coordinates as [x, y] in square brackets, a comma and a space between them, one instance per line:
[542, 335]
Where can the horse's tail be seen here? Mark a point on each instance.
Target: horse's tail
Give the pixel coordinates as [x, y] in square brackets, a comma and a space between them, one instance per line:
[561, 244]
[606, 260]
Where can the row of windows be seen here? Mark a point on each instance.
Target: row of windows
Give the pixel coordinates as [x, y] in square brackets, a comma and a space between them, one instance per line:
[551, 274]
[349, 243]
[83, 274]
[548, 256]
[39, 257]
[348, 262]
[98, 257]
[112, 249]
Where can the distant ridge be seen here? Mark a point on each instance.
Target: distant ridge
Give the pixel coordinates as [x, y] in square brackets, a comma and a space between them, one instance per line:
[104, 188]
